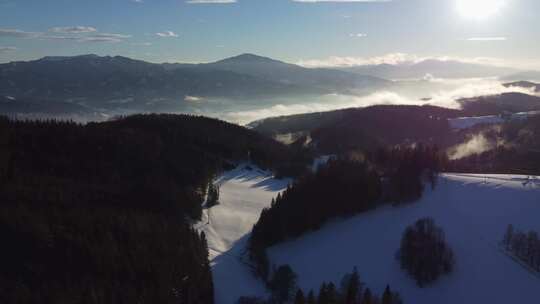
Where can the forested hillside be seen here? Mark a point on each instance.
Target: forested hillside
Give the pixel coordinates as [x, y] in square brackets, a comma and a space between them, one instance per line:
[99, 213]
[499, 104]
[516, 150]
[344, 187]
[366, 128]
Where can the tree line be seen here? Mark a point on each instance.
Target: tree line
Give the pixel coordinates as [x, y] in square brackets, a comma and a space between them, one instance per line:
[345, 186]
[101, 213]
[424, 253]
[351, 290]
[520, 153]
[523, 245]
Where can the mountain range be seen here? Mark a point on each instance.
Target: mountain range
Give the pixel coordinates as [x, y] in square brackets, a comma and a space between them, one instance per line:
[95, 86]
[431, 67]
[92, 83]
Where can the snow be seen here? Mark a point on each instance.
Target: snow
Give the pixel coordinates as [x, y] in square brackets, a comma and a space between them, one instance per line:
[244, 192]
[320, 161]
[525, 115]
[461, 123]
[468, 122]
[473, 210]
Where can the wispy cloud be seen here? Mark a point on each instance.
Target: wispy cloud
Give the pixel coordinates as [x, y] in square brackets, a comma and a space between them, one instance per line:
[358, 35]
[104, 37]
[167, 34]
[339, 1]
[15, 33]
[70, 33]
[73, 29]
[98, 37]
[392, 58]
[447, 95]
[211, 1]
[142, 44]
[487, 39]
[193, 98]
[476, 144]
[349, 61]
[5, 49]
[109, 35]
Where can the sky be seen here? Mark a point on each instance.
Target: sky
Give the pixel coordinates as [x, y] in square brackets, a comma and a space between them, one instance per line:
[309, 32]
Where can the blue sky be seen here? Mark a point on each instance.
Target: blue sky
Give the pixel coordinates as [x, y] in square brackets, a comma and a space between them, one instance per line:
[308, 31]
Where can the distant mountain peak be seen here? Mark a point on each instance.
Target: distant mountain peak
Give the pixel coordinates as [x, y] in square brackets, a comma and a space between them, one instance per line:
[61, 58]
[248, 58]
[524, 84]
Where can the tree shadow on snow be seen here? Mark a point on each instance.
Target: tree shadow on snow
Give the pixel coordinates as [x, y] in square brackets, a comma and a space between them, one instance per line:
[233, 276]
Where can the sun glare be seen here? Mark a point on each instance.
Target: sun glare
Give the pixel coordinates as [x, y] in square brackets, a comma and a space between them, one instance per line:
[479, 9]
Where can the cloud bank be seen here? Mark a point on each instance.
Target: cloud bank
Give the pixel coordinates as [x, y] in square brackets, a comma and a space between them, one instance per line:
[211, 1]
[338, 1]
[487, 39]
[5, 49]
[448, 96]
[74, 29]
[392, 59]
[69, 33]
[167, 34]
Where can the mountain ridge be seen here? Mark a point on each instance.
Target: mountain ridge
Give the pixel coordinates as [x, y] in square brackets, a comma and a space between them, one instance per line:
[434, 67]
[117, 83]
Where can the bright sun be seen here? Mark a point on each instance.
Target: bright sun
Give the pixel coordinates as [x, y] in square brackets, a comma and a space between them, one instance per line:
[479, 9]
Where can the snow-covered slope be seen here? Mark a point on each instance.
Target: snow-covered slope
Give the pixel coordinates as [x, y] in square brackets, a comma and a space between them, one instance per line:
[469, 122]
[474, 211]
[244, 192]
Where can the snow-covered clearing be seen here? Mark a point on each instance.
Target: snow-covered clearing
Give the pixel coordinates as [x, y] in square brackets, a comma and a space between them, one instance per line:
[244, 192]
[321, 161]
[461, 123]
[474, 212]
[469, 122]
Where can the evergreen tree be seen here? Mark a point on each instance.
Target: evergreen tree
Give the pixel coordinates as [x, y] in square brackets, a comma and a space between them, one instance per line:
[353, 287]
[74, 198]
[508, 236]
[424, 252]
[387, 296]
[323, 294]
[283, 284]
[525, 246]
[311, 298]
[299, 298]
[332, 293]
[368, 298]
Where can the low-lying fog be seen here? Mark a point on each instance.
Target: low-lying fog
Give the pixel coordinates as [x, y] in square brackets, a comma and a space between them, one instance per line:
[430, 90]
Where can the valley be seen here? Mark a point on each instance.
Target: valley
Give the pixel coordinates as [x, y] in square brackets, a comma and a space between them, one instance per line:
[270, 152]
[244, 192]
[474, 211]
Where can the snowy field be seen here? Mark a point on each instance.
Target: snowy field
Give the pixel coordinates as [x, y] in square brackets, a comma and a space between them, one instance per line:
[474, 212]
[469, 122]
[244, 192]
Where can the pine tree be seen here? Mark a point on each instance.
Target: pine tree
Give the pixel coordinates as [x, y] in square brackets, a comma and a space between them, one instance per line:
[368, 298]
[311, 298]
[299, 298]
[283, 284]
[387, 296]
[508, 237]
[353, 287]
[323, 294]
[332, 293]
